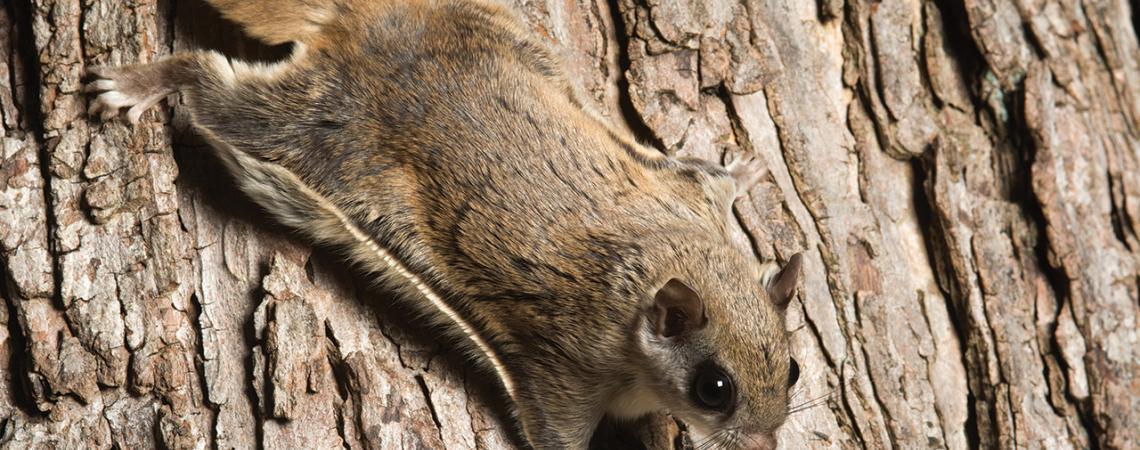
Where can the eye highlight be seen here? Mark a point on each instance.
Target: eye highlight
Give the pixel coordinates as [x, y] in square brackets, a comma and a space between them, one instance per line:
[793, 373]
[713, 389]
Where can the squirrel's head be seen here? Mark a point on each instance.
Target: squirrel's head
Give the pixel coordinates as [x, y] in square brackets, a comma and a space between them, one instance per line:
[714, 347]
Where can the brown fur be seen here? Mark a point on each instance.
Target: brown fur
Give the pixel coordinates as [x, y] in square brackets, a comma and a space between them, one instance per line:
[441, 146]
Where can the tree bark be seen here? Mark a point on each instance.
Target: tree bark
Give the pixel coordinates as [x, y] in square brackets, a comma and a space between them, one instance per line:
[962, 175]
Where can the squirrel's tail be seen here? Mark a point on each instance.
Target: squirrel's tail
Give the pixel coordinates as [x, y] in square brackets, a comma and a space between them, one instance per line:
[279, 21]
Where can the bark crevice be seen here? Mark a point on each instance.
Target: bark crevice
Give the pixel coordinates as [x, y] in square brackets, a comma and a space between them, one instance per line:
[628, 111]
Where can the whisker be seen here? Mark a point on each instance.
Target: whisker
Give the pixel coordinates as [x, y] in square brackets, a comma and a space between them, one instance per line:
[812, 400]
[738, 437]
[807, 406]
[804, 406]
[721, 440]
[753, 440]
[698, 445]
[800, 391]
[726, 440]
[797, 390]
[706, 442]
[809, 403]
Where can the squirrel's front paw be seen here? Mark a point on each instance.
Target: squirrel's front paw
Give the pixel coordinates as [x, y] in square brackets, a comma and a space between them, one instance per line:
[135, 88]
[746, 170]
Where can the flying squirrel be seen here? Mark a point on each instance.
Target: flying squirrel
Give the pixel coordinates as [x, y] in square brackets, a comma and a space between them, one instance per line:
[440, 145]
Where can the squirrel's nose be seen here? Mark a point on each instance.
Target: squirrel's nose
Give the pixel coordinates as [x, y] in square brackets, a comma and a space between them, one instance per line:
[761, 441]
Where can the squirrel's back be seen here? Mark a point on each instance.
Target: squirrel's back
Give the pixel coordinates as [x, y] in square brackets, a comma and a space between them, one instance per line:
[450, 131]
[441, 147]
[451, 134]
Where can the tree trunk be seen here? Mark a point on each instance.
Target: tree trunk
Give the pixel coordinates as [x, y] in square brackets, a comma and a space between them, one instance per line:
[962, 175]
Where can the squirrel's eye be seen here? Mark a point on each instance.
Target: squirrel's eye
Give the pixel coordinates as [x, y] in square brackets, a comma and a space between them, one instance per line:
[793, 373]
[713, 389]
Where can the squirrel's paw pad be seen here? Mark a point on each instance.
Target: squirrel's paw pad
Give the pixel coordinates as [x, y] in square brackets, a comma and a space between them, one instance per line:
[121, 88]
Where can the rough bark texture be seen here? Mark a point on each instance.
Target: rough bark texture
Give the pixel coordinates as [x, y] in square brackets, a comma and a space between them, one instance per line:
[963, 176]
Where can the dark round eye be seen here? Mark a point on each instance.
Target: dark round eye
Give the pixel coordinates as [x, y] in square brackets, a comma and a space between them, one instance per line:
[713, 389]
[793, 373]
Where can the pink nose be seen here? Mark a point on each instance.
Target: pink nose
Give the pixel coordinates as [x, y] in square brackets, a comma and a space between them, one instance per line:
[761, 441]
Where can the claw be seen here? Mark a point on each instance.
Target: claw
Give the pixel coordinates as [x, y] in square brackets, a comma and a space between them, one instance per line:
[93, 108]
[107, 105]
[134, 114]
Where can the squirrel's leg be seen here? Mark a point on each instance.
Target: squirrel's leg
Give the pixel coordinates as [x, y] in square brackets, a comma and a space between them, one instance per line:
[251, 108]
[717, 186]
[221, 95]
[549, 419]
[140, 86]
[746, 170]
[228, 110]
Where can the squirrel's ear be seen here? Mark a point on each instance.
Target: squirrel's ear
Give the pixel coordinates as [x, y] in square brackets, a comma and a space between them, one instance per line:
[677, 309]
[781, 285]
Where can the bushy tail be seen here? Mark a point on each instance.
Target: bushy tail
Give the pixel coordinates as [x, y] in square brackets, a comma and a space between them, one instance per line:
[279, 21]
